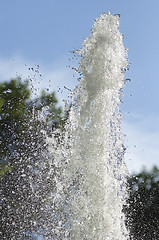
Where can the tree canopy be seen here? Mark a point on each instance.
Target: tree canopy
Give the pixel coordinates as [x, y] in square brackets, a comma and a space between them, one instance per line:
[25, 180]
[142, 208]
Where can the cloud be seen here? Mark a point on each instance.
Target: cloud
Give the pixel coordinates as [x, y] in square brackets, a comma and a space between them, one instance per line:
[142, 142]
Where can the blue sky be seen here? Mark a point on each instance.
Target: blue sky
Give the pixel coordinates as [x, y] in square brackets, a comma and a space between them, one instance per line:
[44, 31]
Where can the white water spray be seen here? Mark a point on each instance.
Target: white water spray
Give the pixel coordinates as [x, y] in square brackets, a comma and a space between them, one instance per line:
[91, 184]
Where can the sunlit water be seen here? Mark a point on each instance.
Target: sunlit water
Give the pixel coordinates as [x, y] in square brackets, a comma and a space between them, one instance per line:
[71, 185]
[91, 173]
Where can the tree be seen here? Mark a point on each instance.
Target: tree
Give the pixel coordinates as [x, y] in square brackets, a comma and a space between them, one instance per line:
[25, 179]
[47, 103]
[142, 208]
[13, 117]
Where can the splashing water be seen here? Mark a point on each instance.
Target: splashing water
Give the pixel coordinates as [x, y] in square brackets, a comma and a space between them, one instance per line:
[71, 185]
[91, 180]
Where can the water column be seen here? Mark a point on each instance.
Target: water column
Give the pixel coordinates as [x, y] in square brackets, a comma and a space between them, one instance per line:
[95, 171]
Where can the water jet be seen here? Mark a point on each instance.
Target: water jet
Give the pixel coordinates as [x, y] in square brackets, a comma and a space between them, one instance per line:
[71, 183]
[91, 187]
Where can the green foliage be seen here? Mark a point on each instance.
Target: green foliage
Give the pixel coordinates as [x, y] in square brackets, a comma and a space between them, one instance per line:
[13, 96]
[13, 116]
[143, 205]
[4, 169]
[47, 103]
[25, 179]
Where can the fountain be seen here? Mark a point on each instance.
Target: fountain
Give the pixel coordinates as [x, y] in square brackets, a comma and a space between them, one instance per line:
[72, 184]
[91, 185]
